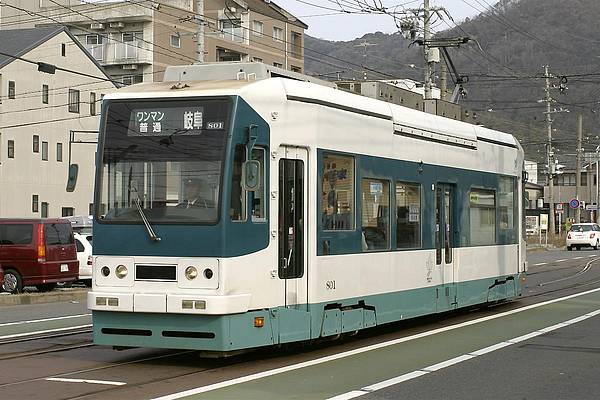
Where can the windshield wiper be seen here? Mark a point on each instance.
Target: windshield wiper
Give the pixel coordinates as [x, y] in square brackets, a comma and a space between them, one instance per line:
[138, 204]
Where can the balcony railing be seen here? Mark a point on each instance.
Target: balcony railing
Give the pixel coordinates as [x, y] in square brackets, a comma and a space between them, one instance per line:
[120, 52]
[127, 50]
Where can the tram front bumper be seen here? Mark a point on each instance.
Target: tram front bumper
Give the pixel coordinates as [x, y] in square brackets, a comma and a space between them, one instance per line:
[168, 303]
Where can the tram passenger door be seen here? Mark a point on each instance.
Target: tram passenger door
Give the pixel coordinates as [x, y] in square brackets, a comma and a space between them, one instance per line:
[293, 229]
[444, 246]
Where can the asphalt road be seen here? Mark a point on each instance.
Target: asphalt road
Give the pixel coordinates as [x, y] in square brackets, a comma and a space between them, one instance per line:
[535, 354]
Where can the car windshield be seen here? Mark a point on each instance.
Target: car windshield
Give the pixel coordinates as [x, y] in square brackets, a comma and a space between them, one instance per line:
[582, 228]
[164, 156]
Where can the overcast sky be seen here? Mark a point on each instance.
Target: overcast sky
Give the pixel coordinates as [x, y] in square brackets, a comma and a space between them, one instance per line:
[342, 26]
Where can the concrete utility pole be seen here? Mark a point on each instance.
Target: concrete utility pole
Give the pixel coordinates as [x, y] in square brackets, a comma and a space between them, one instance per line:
[443, 81]
[578, 167]
[200, 31]
[427, 49]
[549, 154]
[364, 45]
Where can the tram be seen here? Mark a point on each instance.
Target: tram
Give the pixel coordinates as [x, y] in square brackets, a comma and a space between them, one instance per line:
[233, 212]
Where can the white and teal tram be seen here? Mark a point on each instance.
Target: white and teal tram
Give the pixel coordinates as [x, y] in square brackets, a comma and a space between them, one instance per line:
[322, 212]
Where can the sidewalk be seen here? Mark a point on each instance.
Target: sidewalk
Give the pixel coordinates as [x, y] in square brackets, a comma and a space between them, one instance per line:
[56, 296]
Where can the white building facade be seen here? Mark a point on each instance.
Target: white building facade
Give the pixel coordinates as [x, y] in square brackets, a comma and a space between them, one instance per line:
[39, 113]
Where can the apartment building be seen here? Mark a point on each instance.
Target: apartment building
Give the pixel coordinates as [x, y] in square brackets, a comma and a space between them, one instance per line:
[42, 107]
[136, 41]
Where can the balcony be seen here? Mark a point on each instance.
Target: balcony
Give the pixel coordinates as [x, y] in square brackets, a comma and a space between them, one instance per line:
[114, 53]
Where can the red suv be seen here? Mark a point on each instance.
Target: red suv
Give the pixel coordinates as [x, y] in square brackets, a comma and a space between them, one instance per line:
[1, 276]
[37, 252]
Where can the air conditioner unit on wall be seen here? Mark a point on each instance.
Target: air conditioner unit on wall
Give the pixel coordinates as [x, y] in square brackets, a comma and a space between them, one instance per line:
[117, 25]
[130, 66]
[96, 26]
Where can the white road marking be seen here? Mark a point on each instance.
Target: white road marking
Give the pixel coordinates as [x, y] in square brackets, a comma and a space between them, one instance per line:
[577, 258]
[459, 359]
[540, 264]
[70, 380]
[333, 357]
[561, 260]
[24, 334]
[32, 321]
[593, 255]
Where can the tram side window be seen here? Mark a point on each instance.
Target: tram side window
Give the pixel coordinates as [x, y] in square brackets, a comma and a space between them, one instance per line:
[482, 217]
[337, 198]
[375, 195]
[237, 208]
[506, 203]
[408, 215]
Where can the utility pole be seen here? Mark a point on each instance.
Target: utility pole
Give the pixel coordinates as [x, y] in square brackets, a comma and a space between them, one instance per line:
[443, 81]
[549, 154]
[364, 45]
[427, 49]
[578, 167]
[200, 31]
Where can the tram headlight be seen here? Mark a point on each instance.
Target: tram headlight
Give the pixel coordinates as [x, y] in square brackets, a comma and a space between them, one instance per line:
[208, 273]
[191, 273]
[121, 271]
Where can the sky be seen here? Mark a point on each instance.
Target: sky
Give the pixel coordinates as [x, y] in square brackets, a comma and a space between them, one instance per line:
[325, 23]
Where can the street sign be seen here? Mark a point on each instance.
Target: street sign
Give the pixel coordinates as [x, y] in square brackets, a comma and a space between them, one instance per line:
[544, 222]
[559, 206]
[574, 203]
[591, 207]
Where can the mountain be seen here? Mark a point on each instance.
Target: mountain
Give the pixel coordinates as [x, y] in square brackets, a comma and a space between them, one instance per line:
[510, 43]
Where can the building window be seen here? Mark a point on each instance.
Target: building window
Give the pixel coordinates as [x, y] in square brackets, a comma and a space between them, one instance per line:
[257, 59]
[36, 144]
[175, 41]
[482, 217]
[45, 151]
[44, 209]
[95, 46]
[45, 94]
[296, 44]
[11, 89]
[73, 100]
[11, 149]
[375, 194]
[278, 34]
[257, 28]
[296, 69]
[131, 79]
[59, 152]
[63, 49]
[92, 103]
[91, 209]
[231, 29]
[337, 199]
[408, 215]
[278, 65]
[35, 203]
[68, 211]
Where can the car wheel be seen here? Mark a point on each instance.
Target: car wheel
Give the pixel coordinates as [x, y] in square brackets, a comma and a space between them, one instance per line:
[47, 287]
[569, 248]
[12, 282]
[596, 245]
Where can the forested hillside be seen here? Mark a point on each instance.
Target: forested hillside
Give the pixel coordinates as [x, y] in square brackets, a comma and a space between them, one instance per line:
[504, 61]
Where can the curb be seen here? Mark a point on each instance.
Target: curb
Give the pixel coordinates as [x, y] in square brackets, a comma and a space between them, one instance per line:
[41, 298]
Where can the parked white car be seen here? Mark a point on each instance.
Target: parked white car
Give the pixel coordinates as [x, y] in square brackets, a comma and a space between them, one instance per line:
[83, 242]
[583, 235]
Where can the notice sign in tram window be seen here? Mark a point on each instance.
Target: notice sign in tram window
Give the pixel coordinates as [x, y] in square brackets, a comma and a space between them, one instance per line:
[169, 121]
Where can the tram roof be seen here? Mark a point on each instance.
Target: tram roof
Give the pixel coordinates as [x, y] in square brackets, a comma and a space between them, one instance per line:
[399, 115]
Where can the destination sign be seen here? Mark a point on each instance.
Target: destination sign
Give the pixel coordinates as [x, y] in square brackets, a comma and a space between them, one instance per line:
[169, 121]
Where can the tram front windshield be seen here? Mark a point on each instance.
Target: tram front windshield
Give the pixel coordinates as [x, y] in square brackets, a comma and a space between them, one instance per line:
[165, 158]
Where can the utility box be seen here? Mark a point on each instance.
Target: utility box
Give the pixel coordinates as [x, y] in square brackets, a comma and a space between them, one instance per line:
[443, 109]
[383, 91]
